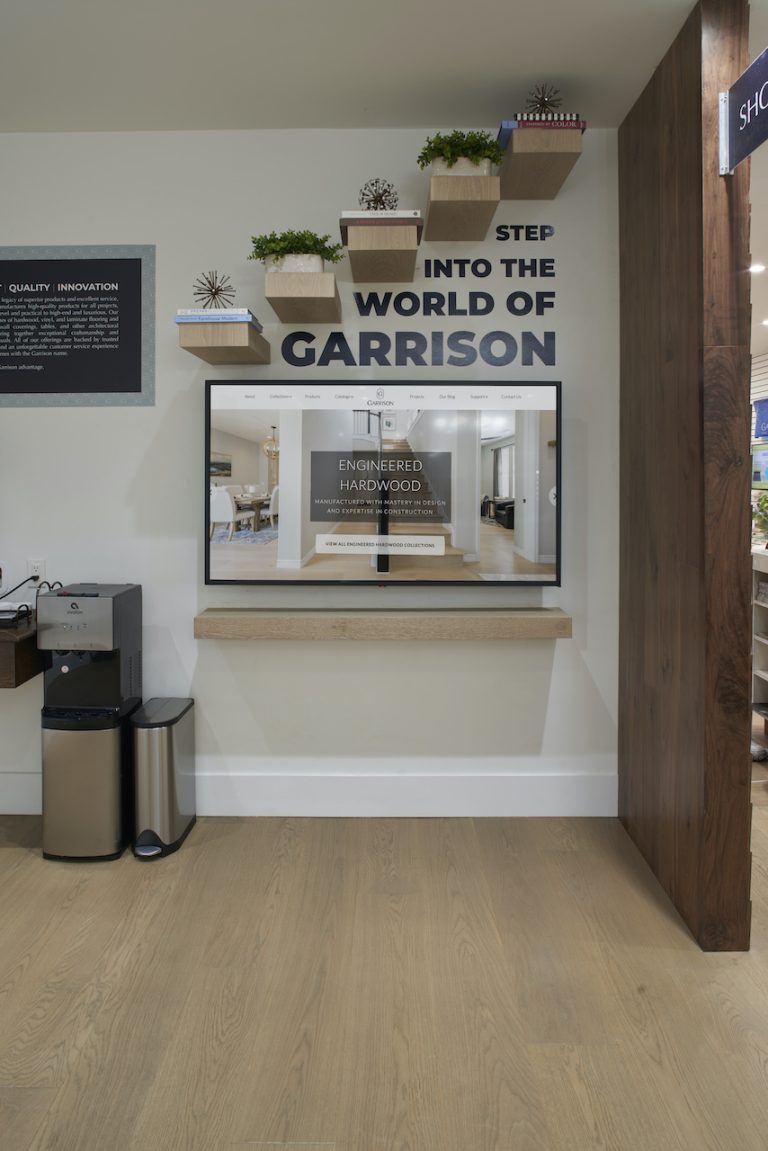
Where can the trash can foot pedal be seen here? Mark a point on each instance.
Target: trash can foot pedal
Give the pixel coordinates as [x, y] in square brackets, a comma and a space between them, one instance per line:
[149, 845]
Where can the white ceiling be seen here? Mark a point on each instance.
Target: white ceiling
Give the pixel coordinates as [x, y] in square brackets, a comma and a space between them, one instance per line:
[104, 65]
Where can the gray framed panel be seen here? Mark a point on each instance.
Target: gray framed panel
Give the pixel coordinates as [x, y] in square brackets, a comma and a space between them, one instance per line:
[64, 333]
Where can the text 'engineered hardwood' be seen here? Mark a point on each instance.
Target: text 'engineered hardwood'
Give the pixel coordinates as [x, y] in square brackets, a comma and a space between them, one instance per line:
[387, 985]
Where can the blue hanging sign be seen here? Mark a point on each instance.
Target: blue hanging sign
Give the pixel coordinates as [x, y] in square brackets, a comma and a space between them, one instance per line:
[744, 115]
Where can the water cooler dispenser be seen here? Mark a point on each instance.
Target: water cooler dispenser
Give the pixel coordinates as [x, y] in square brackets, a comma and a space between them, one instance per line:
[91, 635]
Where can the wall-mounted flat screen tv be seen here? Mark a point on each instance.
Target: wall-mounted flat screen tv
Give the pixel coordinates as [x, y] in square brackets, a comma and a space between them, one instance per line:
[760, 466]
[383, 483]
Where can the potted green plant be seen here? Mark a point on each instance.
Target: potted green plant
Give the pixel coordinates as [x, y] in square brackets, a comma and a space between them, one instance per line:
[460, 153]
[294, 251]
[760, 514]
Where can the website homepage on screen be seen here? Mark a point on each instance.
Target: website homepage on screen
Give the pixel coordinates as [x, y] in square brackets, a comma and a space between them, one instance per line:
[318, 482]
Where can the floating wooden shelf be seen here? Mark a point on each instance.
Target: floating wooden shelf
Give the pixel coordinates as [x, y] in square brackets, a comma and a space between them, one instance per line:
[491, 624]
[303, 297]
[537, 161]
[20, 659]
[225, 343]
[461, 207]
[381, 250]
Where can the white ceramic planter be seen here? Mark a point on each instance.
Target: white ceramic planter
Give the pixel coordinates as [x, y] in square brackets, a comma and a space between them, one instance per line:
[462, 167]
[295, 263]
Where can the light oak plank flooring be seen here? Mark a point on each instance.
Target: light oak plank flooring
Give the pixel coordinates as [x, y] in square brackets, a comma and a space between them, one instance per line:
[373, 985]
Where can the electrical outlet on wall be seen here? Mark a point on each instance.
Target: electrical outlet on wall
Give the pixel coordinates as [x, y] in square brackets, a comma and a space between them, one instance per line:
[36, 568]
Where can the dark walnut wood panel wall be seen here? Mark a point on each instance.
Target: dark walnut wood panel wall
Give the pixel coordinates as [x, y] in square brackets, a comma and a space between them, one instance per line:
[684, 689]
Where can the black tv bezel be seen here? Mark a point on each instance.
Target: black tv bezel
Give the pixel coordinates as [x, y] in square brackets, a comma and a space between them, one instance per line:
[383, 582]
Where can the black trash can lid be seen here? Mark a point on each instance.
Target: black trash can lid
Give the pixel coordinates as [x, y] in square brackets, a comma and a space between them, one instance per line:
[161, 711]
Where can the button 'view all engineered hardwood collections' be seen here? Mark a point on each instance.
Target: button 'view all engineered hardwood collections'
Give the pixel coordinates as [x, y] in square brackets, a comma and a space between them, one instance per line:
[373, 985]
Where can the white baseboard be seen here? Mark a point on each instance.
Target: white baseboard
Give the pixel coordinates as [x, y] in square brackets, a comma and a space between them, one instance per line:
[404, 793]
[379, 790]
[21, 792]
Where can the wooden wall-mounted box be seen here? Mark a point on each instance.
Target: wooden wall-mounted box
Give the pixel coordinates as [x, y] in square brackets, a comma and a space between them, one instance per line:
[303, 297]
[537, 161]
[461, 207]
[381, 250]
[225, 343]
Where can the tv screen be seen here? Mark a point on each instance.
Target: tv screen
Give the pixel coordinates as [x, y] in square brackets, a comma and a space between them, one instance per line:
[382, 483]
[760, 466]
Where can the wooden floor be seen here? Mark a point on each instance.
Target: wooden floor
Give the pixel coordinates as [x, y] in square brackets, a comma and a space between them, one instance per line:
[496, 556]
[373, 985]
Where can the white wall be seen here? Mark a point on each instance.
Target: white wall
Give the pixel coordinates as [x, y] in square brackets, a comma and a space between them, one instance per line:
[320, 431]
[245, 457]
[116, 494]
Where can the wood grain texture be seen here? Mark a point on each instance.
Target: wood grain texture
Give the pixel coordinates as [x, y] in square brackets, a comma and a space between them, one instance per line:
[255, 624]
[303, 297]
[684, 548]
[20, 659]
[436, 984]
[382, 255]
[537, 162]
[225, 343]
[461, 207]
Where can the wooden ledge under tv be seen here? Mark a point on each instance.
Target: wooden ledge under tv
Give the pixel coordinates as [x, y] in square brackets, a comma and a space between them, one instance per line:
[365, 624]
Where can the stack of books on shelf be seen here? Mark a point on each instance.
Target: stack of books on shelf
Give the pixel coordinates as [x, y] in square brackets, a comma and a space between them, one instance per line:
[218, 316]
[568, 120]
[368, 214]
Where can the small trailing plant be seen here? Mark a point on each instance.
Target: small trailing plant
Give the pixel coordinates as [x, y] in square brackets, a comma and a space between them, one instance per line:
[451, 146]
[274, 245]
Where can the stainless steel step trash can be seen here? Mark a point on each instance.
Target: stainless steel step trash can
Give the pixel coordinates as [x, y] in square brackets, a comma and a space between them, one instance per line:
[87, 784]
[164, 761]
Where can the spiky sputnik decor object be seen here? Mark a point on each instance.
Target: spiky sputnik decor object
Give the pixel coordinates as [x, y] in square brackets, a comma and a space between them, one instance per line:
[213, 291]
[378, 195]
[543, 98]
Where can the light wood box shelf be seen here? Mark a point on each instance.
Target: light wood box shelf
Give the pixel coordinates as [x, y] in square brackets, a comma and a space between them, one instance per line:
[225, 343]
[303, 297]
[461, 207]
[537, 161]
[265, 624]
[381, 250]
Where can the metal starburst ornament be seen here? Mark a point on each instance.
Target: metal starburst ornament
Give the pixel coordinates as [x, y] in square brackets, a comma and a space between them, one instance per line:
[543, 98]
[378, 195]
[213, 291]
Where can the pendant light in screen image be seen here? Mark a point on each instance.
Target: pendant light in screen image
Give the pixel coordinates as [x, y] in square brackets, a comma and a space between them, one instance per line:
[271, 450]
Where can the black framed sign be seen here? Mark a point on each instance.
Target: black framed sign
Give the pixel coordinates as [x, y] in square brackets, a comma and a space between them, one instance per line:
[77, 325]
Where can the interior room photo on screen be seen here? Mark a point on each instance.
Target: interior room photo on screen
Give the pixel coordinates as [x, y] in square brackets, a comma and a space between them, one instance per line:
[316, 482]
